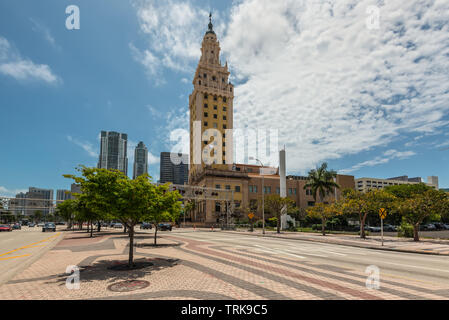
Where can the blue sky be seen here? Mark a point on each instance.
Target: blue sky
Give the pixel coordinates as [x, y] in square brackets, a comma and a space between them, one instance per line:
[371, 103]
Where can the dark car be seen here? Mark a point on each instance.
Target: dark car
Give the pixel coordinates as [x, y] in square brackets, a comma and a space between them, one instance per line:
[118, 225]
[428, 227]
[31, 225]
[390, 228]
[5, 227]
[440, 226]
[372, 229]
[164, 226]
[49, 227]
[60, 223]
[146, 225]
[16, 226]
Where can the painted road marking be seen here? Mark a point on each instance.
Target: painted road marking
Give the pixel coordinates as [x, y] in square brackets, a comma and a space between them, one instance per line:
[24, 255]
[264, 249]
[30, 245]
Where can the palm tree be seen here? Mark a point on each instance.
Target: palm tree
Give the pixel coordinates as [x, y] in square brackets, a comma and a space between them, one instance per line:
[321, 182]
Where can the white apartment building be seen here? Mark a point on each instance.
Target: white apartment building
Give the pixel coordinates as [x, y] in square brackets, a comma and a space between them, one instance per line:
[366, 184]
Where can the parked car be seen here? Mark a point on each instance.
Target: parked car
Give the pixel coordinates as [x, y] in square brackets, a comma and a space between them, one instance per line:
[112, 225]
[428, 227]
[40, 224]
[390, 228]
[60, 223]
[49, 227]
[440, 226]
[164, 226]
[105, 224]
[118, 225]
[5, 227]
[372, 229]
[31, 225]
[16, 226]
[146, 225]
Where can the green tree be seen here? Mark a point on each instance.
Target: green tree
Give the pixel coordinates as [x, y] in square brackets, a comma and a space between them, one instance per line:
[324, 212]
[274, 204]
[165, 206]
[419, 206]
[67, 210]
[38, 215]
[321, 182]
[362, 204]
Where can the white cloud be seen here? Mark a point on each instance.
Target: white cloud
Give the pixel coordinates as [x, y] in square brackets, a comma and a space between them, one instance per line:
[387, 157]
[5, 192]
[315, 71]
[87, 146]
[40, 28]
[152, 159]
[12, 64]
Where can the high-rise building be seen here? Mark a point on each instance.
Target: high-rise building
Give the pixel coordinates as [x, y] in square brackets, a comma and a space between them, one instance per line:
[113, 151]
[74, 189]
[176, 173]
[211, 107]
[140, 160]
[62, 195]
[366, 184]
[36, 199]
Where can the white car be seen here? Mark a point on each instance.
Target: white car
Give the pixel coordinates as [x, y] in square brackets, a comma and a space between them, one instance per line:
[40, 224]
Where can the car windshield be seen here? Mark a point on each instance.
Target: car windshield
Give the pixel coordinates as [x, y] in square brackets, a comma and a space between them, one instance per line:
[4, 226]
[49, 225]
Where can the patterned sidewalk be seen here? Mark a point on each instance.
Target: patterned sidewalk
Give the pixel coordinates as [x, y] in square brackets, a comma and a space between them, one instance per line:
[183, 268]
[424, 246]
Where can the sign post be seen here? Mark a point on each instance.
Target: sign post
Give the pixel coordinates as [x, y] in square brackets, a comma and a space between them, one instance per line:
[383, 215]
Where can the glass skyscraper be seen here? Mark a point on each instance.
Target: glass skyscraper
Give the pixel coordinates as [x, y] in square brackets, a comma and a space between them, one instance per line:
[140, 160]
[113, 151]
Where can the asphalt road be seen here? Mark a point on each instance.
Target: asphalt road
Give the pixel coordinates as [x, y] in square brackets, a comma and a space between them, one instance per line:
[19, 247]
[430, 268]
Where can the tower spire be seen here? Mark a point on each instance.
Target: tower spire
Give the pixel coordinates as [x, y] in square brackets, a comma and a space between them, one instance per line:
[211, 26]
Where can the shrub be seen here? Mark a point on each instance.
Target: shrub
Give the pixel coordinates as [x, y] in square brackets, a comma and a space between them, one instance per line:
[405, 230]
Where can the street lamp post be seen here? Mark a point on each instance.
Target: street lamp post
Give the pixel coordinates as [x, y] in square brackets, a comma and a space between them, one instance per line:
[263, 196]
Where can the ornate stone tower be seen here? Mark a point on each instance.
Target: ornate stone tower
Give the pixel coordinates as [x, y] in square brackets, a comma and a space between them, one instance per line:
[211, 107]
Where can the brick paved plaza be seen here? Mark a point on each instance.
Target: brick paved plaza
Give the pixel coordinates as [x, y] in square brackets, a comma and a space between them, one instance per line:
[217, 265]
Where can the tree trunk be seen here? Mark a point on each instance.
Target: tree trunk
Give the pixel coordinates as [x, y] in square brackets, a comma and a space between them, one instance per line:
[278, 224]
[155, 235]
[415, 232]
[131, 246]
[362, 228]
[323, 226]
[91, 229]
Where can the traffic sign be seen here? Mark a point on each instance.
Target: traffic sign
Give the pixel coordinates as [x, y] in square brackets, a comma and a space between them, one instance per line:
[251, 215]
[382, 213]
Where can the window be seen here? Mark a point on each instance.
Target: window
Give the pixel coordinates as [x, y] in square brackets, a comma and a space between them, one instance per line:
[278, 190]
[224, 108]
[224, 126]
[214, 78]
[224, 98]
[205, 96]
[199, 82]
[205, 123]
[250, 188]
[237, 188]
[205, 76]
[228, 187]
[222, 80]
[215, 98]
[267, 190]
[237, 204]
[205, 105]
[224, 135]
[217, 186]
[224, 144]
[224, 153]
[205, 142]
[205, 114]
[310, 203]
[215, 107]
[217, 206]
[224, 117]
[215, 116]
[215, 125]
[255, 189]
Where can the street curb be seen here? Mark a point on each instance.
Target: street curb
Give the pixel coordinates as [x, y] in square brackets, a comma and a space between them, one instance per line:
[342, 244]
[12, 273]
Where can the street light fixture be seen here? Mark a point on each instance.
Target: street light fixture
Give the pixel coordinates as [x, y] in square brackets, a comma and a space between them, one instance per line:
[263, 196]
